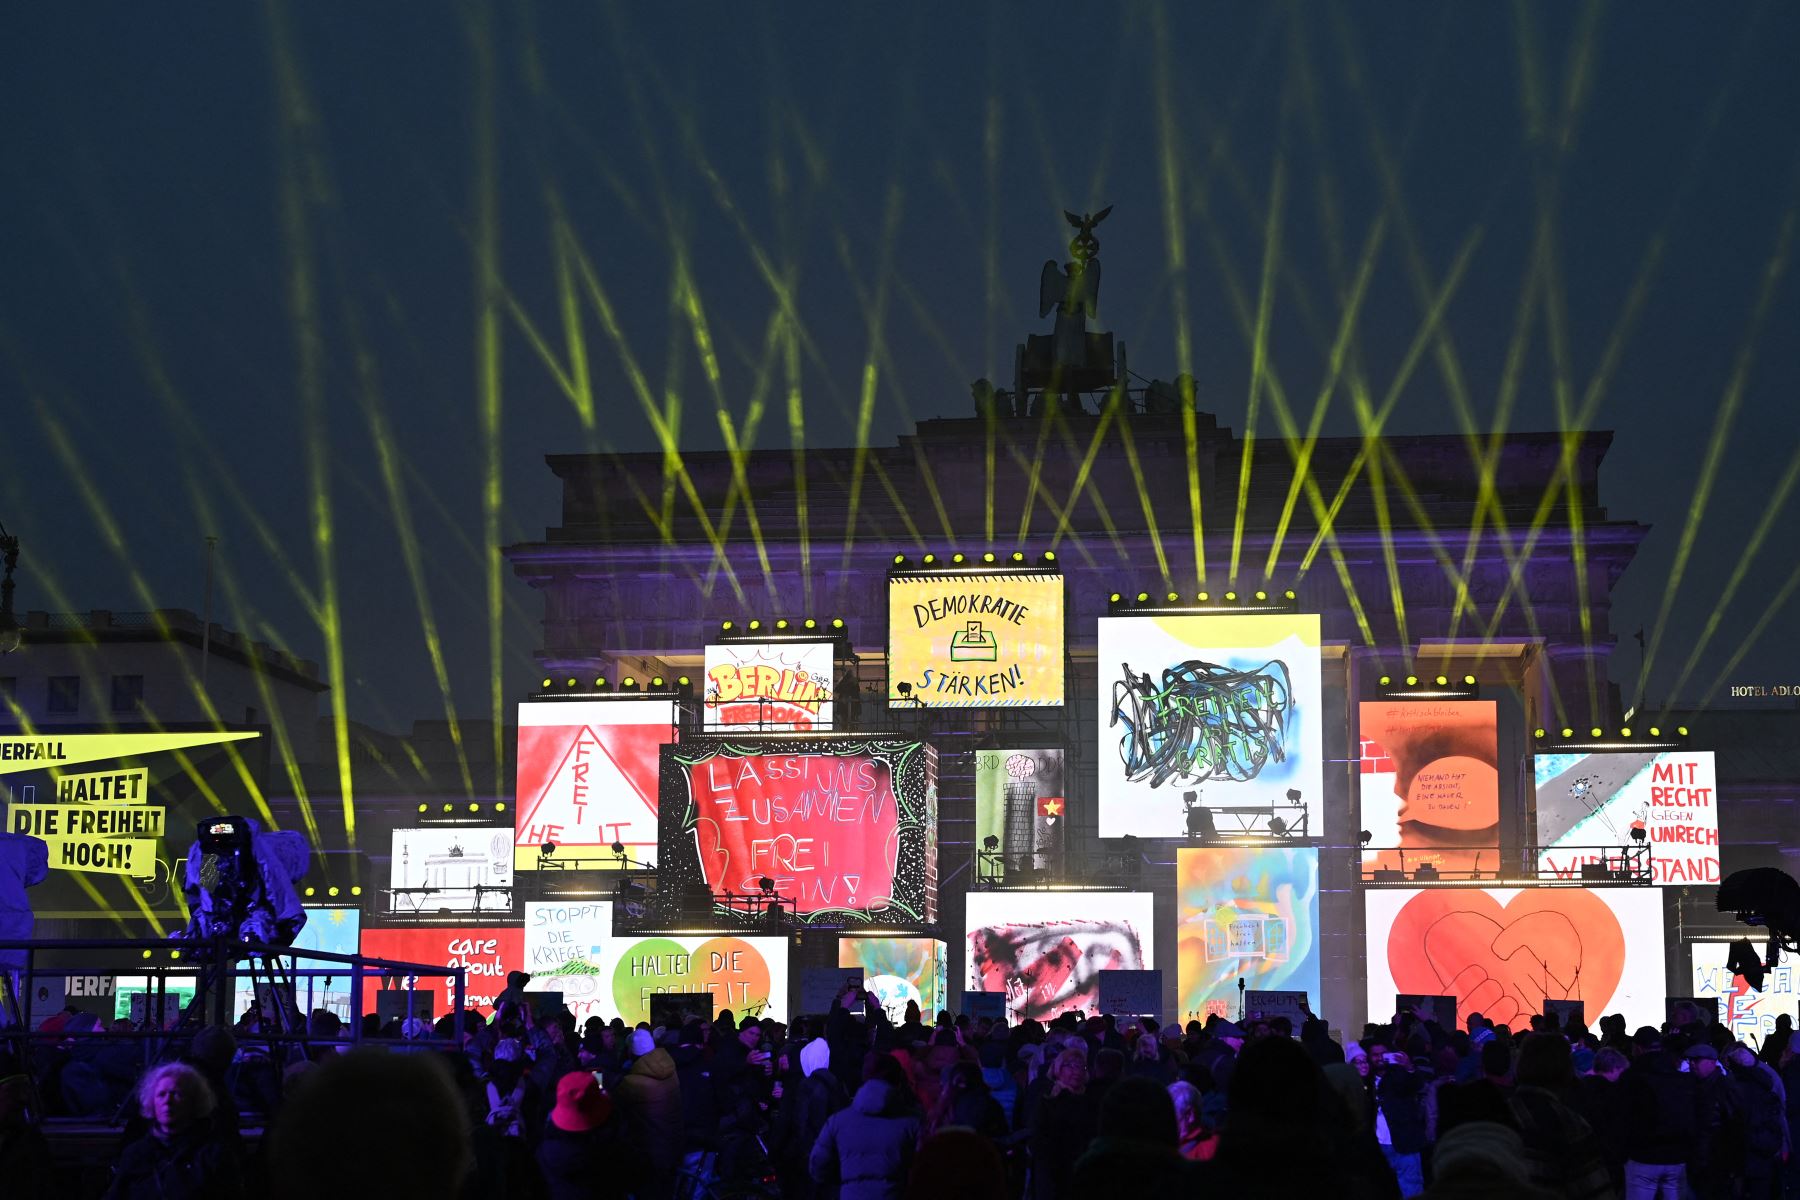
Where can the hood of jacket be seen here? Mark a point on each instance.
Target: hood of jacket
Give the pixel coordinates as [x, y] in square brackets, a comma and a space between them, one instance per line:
[657, 1064]
[875, 1099]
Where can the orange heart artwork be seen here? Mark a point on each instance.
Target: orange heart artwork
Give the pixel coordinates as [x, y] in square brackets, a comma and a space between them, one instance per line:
[1504, 961]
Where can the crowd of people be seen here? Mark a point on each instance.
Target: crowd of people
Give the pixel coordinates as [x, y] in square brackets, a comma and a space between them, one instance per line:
[854, 1106]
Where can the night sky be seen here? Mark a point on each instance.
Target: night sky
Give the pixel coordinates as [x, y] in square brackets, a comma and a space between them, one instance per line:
[183, 184]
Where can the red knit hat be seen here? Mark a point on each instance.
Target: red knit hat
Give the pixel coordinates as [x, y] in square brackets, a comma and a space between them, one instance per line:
[580, 1104]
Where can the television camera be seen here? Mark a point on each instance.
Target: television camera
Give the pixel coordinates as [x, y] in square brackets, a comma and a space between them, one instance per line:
[240, 883]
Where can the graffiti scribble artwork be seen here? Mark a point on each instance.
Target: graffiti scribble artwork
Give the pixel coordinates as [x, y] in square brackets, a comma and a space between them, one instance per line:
[1026, 946]
[1228, 707]
[1203, 721]
[1052, 966]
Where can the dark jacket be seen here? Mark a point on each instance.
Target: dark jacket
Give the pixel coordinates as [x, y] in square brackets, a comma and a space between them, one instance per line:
[805, 1107]
[581, 1166]
[868, 1147]
[1128, 1167]
[1753, 1090]
[1664, 1108]
[978, 1110]
[192, 1166]
[1400, 1097]
[1061, 1129]
[699, 1096]
[650, 1097]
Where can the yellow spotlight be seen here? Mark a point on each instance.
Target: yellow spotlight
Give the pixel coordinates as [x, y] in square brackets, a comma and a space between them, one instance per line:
[724, 624]
[1469, 679]
[781, 624]
[571, 681]
[1114, 598]
[1289, 594]
[1624, 733]
[1412, 681]
[500, 807]
[681, 680]
[447, 808]
[174, 954]
[1681, 729]
[957, 557]
[1049, 556]
[1655, 732]
[988, 557]
[929, 559]
[1143, 597]
[1205, 596]
[309, 891]
[1018, 556]
[546, 684]
[600, 682]
[332, 890]
[474, 808]
[630, 681]
[1443, 681]
[899, 559]
[147, 953]
[811, 624]
[1567, 732]
[1262, 595]
[356, 889]
[1230, 596]
[755, 625]
[421, 808]
[1173, 597]
[837, 622]
[1386, 679]
[1537, 733]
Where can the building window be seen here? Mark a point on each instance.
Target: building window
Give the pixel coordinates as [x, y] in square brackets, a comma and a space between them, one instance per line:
[64, 694]
[128, 693]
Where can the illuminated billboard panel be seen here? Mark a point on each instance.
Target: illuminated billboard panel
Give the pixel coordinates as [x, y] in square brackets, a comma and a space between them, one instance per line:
[976, 639]
[1589, 804]
[566, 943]
[899, 969]
[1430, 784]
[587, 779]
[1249, 913]
[463, 869]
[1750, 1014]
[334, 931]
[844, 828]
[1021, 801]
[485, 952]
[1503, 951]
[768, 686]
[747, 975]
[1028, 946]
[1214, 712]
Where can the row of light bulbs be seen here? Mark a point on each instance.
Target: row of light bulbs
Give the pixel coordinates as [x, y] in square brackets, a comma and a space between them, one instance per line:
[1260, 596]
[986, 559]
[1568, 732]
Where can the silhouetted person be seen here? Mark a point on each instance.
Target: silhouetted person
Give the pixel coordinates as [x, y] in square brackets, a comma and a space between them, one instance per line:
[393, 1123]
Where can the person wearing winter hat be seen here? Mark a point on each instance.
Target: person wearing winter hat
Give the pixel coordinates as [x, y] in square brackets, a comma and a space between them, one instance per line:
[649, 1099]
[576, 1152]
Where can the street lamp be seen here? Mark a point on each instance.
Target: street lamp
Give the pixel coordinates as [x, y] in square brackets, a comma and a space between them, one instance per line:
[10, 634]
